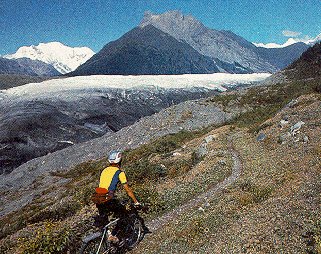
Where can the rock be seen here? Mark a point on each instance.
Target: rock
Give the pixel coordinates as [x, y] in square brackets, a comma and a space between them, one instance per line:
[292, 103]
[201, 209]
[261, 137]
[209, 138]
[305, 139]
[176, 154]
[222, 162]
[283, 123]
[295, 128]
[284, 137]
[202, 150]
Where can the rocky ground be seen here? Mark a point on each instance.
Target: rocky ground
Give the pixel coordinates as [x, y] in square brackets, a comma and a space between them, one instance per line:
[272, 207]
[34, 176]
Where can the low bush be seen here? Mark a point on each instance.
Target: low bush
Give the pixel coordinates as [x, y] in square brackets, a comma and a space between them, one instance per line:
[252, 193]
[50, 238]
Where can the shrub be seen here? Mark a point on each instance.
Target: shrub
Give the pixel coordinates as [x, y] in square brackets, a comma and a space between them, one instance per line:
[50, 238]
[253, 193]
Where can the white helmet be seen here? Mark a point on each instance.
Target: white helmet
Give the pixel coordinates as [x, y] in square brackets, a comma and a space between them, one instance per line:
[114, 157]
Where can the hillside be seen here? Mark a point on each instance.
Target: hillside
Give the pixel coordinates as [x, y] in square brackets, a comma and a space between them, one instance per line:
[26, 66]
[41, 118]
[307, 66]
[273, 206]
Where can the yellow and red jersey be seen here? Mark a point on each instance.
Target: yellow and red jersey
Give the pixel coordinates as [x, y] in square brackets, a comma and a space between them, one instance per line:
[110, 177]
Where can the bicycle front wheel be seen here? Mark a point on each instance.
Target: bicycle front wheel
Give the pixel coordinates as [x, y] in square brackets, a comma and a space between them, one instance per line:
[134, 231]
[92, 246]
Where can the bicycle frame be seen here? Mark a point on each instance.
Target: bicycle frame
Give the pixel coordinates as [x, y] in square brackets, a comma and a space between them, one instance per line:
[102, 234]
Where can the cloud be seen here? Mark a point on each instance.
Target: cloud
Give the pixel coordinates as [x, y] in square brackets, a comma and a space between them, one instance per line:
[289, 33]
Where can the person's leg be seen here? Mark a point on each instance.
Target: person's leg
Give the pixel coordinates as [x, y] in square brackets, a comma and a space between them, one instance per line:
[102, 219]
[119, 211]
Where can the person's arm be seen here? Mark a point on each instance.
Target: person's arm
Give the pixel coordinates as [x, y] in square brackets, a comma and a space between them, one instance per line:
[130, 193]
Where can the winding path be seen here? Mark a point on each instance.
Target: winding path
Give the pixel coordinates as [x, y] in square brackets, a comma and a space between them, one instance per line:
[236, 172]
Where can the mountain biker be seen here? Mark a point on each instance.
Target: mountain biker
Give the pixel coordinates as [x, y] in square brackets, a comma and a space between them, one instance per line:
[109, 179]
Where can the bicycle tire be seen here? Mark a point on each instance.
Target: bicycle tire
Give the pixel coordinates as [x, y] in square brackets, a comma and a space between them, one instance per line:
[134, 232]
[91, 247]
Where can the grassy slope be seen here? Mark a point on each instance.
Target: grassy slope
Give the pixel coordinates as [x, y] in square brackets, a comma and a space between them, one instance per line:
[270, 207]
[273, 208]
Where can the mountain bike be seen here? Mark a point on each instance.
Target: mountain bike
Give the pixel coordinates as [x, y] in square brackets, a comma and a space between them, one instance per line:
[130, 235]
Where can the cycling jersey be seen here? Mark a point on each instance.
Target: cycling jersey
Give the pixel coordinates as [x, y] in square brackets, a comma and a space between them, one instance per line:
[110, 177]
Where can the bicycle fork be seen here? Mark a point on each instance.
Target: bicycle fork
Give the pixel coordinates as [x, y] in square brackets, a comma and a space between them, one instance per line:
[101, 241]
[105, 232]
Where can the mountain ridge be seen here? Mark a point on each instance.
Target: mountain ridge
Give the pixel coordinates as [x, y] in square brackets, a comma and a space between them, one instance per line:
[26, 66]
[223, 45]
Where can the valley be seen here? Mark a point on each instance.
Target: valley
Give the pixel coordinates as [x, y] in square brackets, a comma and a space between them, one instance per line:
[267, 204]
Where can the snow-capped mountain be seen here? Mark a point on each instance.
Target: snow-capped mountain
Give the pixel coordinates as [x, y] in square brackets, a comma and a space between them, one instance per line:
[63, 58]
[290, 41]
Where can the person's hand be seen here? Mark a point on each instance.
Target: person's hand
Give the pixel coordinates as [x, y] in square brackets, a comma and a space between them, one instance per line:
[137, 204]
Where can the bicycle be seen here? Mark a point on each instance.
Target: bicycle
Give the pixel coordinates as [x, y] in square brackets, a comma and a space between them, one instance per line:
[129, 237]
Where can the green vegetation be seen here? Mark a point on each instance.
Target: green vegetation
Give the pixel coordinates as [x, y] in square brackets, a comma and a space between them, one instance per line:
[252, 193]
[84, 178]
[49, 239]
[261, 103]
[266, 102]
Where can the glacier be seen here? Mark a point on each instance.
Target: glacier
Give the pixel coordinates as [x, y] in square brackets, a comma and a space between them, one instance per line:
[215, 81]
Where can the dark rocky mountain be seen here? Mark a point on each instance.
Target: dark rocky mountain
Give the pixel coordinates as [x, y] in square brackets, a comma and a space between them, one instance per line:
[234, 53]
[173, 43]
[307, 66]
[282, 57]
[146, 50]
[26, 66]
[14, 80]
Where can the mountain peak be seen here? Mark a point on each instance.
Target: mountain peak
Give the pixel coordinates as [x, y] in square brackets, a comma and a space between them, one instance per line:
[172, 19]
[63, 58]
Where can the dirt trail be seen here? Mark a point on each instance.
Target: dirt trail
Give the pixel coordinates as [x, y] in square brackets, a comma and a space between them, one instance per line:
[201, 199]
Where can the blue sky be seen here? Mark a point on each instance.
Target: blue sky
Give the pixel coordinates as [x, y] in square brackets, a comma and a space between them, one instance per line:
[94, 23]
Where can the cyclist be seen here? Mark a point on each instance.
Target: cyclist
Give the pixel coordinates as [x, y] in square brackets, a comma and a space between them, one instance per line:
[109, 179]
